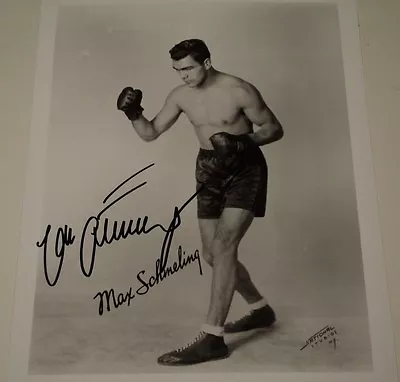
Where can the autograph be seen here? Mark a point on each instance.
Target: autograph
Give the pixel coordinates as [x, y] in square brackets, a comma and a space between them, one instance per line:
[99, 231]
[326, 333]
[107, 297]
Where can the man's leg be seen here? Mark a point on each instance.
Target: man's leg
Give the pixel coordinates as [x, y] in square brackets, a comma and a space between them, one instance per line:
[232, 226]
[248, 191]
[260, 313]
[209, 344]
[243, 285]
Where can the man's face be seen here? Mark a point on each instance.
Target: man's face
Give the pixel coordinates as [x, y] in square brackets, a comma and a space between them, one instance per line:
[191, 72]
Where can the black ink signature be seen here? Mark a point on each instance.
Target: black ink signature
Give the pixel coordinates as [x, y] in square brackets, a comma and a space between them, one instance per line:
[99, 227]
[107, 297]
[325, 334]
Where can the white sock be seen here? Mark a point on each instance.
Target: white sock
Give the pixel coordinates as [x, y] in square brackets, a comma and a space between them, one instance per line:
[215, 330]
[259, 304]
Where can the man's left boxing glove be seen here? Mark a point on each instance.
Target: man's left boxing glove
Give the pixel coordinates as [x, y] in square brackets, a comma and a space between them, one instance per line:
[129, 102]
[226, 144]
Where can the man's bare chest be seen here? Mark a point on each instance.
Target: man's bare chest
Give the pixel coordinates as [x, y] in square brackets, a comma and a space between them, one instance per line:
[212, 108]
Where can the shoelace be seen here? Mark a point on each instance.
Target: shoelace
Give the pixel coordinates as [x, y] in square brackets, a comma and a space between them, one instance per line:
[198, 337]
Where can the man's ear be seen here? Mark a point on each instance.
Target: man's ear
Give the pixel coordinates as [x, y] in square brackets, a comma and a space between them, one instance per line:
[207, 63]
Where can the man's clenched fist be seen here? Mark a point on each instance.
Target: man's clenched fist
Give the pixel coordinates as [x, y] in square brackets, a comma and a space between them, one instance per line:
[129, 102]
[227, 144]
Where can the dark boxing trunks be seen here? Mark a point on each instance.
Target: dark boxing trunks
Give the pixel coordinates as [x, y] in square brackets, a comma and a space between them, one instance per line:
[239, 182]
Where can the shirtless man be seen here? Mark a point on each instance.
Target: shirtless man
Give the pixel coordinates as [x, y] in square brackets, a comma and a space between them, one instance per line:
[233, 174]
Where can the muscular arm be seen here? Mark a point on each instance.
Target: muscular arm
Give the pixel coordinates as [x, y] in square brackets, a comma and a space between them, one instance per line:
[149, 130]
[259, 113]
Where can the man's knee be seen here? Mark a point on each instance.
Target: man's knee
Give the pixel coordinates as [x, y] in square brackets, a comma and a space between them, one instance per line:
[224, 244]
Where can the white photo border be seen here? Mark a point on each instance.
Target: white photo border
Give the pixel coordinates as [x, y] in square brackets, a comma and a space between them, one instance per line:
[383, 353]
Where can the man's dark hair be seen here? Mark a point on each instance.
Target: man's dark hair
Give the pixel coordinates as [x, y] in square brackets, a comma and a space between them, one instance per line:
[196, 48]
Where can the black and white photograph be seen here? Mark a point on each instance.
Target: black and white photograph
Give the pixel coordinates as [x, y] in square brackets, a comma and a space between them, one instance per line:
[198, 207]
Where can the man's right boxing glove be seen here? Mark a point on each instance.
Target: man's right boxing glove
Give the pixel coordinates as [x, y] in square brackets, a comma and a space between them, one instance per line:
[129, 102]
[226, 144]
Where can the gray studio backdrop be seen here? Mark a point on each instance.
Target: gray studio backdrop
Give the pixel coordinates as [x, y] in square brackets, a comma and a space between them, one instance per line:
[304, 255]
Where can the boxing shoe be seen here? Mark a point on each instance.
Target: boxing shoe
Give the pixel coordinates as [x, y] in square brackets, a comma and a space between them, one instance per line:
[257, 319]
[205, 347]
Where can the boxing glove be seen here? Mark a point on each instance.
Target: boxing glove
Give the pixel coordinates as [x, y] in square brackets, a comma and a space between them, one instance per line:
[226, 144]
[129, 102]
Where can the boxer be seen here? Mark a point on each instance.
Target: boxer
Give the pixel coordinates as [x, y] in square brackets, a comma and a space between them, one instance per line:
[233, 173]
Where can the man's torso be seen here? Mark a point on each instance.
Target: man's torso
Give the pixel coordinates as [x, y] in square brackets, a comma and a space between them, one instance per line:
[215, 109]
